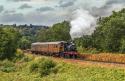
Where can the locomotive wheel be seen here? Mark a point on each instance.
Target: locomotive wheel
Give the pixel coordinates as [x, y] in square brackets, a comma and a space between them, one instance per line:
[71, 56]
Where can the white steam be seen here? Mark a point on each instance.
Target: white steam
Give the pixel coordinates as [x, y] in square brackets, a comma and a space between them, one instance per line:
[84, 19]
[83, 23]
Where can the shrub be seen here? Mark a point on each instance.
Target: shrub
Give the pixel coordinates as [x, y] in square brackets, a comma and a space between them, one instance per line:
[87, 50]
[7, 66]
[20, 57]
[46, 67]
[19, 53]
[80, 49]
[43, 66]
[33, 67]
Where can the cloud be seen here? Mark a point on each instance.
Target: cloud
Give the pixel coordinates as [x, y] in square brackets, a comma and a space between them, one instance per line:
[115, 1]
[66, 3]
[43, 9]
[106, 10]
[9, 11]
[18, 0]
[1, 8]
[52, 11]
[34, 18]
[8, 18]
[25, 6]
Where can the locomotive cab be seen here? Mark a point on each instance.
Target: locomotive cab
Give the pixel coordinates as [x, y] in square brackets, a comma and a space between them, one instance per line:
[70, 50]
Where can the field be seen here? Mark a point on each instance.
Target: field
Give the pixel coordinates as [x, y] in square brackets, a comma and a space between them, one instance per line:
[64, 70]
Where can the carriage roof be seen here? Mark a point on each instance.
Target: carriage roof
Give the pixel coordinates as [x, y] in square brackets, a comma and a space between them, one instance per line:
[43, 43]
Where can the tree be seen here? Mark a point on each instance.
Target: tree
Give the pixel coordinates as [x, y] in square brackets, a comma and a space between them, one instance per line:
[8, 42]
[58, 32]
[85, 41]
[110, 32]
[24, 42]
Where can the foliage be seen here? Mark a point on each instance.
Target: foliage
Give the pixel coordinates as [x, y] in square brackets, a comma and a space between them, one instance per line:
[34, 67]
[43, 66]
[58, 32]
[27, 33]
[19, 54]
[110, 32]
[24, 43]
[21, 57]
[85, 41]
[7, 66]
[87, 50]
[122, 47]
[8, 42]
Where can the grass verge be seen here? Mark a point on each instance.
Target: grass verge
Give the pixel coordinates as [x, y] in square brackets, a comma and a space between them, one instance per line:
[58, 71]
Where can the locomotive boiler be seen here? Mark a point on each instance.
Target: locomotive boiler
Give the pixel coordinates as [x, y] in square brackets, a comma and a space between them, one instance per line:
[60, 48]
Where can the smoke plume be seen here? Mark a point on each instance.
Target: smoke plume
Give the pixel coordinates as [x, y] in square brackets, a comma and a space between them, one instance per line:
[84, 18]
[82, 24]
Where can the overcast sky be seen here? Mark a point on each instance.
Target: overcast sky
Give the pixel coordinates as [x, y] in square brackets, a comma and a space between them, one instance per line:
[48, 12]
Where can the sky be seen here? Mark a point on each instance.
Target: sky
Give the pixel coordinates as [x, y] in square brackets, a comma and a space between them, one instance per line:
[48, 12]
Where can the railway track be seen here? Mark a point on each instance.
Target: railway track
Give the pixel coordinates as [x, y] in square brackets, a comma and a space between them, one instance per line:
[83, 62]
[92, 63]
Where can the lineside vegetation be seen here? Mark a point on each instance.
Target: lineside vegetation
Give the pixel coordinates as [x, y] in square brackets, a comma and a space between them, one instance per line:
[45, 69]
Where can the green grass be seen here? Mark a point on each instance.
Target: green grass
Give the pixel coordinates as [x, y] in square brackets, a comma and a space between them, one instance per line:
[66, 72]
[75, 73]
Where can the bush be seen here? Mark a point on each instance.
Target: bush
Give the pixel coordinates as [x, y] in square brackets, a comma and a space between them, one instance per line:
[7, 66]
[34, 67]
[46, 67]
[87, 50]
[43, 66]
[19, 53]
[20, 57]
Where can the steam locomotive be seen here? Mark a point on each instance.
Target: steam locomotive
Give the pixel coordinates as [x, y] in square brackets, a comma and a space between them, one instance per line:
[60, 48]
